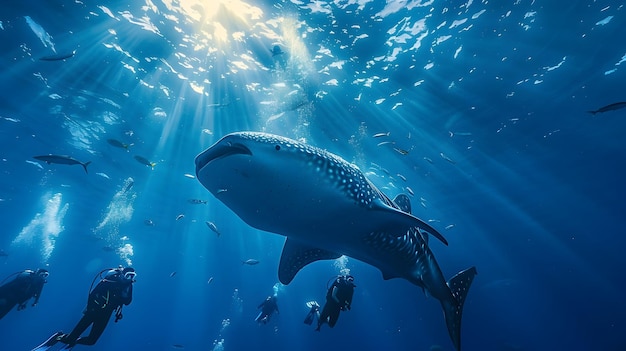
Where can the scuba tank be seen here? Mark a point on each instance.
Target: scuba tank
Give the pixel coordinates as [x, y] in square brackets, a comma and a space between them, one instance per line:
[27, 271]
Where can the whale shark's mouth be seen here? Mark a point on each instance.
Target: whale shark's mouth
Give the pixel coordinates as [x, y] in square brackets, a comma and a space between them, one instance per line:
[220, 151]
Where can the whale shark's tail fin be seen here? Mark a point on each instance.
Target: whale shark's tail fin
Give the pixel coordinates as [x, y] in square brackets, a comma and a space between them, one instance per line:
[453, 309]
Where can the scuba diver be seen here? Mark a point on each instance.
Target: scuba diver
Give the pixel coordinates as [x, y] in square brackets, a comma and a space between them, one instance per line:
[18, 291]
[279, 58]
[276, 51]
[267, 308]
[314, 312]
[114, 290]
[338, 298]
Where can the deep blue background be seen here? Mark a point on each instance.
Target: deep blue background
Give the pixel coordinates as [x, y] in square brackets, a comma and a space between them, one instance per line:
[534, 198]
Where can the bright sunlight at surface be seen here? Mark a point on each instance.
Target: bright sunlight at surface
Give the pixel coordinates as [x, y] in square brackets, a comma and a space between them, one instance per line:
[497, 125]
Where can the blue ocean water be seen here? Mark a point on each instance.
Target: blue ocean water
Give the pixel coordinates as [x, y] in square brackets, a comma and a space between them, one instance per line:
[476, 109]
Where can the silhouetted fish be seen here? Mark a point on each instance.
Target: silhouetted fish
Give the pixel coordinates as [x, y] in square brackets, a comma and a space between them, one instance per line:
[62, 160]
[145, 161]
[118, 143]
[58, 57]
[611, 107]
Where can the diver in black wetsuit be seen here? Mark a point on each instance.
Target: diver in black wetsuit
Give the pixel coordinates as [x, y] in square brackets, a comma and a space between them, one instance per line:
[338, 298]
[26, 285]
[114, 290]
[267, 308]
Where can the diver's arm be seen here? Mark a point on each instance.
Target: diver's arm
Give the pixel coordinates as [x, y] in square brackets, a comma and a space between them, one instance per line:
[127, 294]
[37, 293]
[334, 294]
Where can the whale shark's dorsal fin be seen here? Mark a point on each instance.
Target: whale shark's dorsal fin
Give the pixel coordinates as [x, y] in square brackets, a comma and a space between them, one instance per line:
[296, 255]
[403, 202]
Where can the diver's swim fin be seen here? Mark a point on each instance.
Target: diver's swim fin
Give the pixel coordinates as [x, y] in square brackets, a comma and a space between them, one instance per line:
[309, 319]
[51, 341]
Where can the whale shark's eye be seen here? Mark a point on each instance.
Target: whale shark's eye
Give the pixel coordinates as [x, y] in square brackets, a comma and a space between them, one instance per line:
[277, 147]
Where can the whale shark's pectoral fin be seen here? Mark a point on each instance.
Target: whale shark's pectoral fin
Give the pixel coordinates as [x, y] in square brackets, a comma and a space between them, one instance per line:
[296, 255]
[405, 218]
[404, 204]
[389, 275]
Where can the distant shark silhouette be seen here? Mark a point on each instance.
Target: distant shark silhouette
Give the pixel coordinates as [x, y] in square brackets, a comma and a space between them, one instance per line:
[326, 208]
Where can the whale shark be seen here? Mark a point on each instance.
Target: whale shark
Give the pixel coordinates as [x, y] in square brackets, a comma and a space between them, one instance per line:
[326, 208]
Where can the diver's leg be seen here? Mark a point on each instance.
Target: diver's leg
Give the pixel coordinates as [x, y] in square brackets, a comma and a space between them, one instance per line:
[5, 307]
[323, 317]
[99, 324]
[80, 327]
[334, 315]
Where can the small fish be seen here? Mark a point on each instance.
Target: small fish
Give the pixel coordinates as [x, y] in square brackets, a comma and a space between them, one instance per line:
[250, 262]
[401, 151]
[148, 222]
[129, 186]
[378, 135]
[178, 346]
[219, 191]
[62, 160]
[145, 161]
[172, 274]
[611, 107]
[446, 158]
[410, 191]
[190, 176]
[58, 57]
[3, 253]
[180, 216]
[35, 163]
[197, 201]
[103, 175]
[385, 143]
[213, 227]
[210, 280]
[428, 159]
[401, 176]
[450, 226]
[117, 143]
